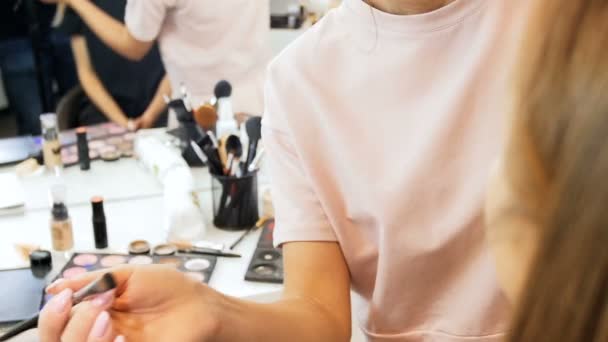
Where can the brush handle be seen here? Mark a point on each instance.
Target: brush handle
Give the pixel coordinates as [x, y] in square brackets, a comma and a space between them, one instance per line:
[20, 328]
[253, 148]
[210, 252]
[242, 237]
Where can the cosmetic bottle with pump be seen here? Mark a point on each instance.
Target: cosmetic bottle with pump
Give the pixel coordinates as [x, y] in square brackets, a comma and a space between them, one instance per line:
[51, 147]
[61, 224]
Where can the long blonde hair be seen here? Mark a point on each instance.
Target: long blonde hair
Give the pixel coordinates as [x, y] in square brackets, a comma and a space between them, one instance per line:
[561, 134]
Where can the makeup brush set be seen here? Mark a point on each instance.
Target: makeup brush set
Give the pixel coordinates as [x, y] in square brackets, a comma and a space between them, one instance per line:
[194, 122]
[234, 188]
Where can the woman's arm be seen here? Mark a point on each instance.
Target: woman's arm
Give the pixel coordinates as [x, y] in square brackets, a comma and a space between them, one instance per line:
[156, 106]
[91, 84]
[111, 31]
[156, 303]
[315, 304]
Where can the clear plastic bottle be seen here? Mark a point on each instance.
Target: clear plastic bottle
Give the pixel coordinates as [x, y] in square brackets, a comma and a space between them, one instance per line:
[61, 225]
[51, 147]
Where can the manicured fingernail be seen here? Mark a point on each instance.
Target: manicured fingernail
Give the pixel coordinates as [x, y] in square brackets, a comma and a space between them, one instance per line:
[120, 339]
[103, 299]
[101, 325]
[61, 301]
[54, 285]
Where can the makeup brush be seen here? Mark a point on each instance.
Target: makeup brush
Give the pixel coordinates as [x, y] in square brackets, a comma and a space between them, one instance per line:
[214, 168]
[186, 97]
[182, 113]
[199, 153]
[209, 145]
[222, 89]
[254, 132]
[234, 151]
[206, 116]
[257, 225]
[258, 158]
[222, 151]
[203, 249]
[99, 286]
[213, 139]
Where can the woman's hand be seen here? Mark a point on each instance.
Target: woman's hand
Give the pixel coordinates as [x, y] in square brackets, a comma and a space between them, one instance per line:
[145, 121]
[150, 303]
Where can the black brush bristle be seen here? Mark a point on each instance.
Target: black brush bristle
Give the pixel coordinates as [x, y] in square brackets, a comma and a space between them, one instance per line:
[108, 278]
[254, 128]
[223, 88]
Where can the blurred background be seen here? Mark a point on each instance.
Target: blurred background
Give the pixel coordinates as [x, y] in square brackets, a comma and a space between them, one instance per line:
[37, 68]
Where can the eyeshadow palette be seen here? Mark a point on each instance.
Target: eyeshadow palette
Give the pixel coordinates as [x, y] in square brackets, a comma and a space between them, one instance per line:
[267, 263]
[197, 267]
[107, 141]
[94, 132]
[107, 149]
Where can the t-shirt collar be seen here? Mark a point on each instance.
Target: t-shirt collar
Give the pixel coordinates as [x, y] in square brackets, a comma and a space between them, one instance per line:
[439, 19]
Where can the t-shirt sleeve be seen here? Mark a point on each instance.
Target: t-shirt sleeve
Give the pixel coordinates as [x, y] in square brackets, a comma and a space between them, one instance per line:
[71, 25]
[299, 215]
[144, 18]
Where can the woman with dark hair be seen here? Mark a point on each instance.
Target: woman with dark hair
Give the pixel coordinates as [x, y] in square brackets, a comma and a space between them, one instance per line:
[129, 93]
[546, 208]
[200, 42]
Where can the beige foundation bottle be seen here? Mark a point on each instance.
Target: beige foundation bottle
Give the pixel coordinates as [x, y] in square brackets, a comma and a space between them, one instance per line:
[51, 147]
[61, 224]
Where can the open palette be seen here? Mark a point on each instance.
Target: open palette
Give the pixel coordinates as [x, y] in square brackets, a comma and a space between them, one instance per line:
[197, 267]
[114, 147]
[267, 263]
[107, 139]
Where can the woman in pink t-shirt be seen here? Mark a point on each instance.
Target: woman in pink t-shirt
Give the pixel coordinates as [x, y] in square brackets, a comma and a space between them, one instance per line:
[381, 125]
[201, 42]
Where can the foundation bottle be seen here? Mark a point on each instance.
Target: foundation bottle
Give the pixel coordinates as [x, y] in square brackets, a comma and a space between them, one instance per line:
[61, 224]
[51, 147]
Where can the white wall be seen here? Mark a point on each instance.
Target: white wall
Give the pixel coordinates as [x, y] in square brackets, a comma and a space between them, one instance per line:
[280, 38]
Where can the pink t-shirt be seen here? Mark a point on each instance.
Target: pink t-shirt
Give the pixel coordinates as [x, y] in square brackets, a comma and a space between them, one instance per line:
[204, 41]
[381, 130]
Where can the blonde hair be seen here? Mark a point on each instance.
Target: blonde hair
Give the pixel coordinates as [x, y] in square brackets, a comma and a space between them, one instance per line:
[560, 134]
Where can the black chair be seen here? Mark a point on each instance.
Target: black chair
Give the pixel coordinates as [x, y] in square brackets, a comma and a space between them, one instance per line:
[69, 107]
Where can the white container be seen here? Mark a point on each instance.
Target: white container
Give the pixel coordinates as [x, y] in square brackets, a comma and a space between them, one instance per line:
[182, 216]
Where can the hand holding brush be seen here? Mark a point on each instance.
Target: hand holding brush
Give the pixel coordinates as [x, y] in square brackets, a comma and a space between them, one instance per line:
[147, 304]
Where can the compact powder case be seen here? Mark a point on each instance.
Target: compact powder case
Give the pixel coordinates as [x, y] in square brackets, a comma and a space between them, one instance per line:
[139, 247]
[164, 250]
